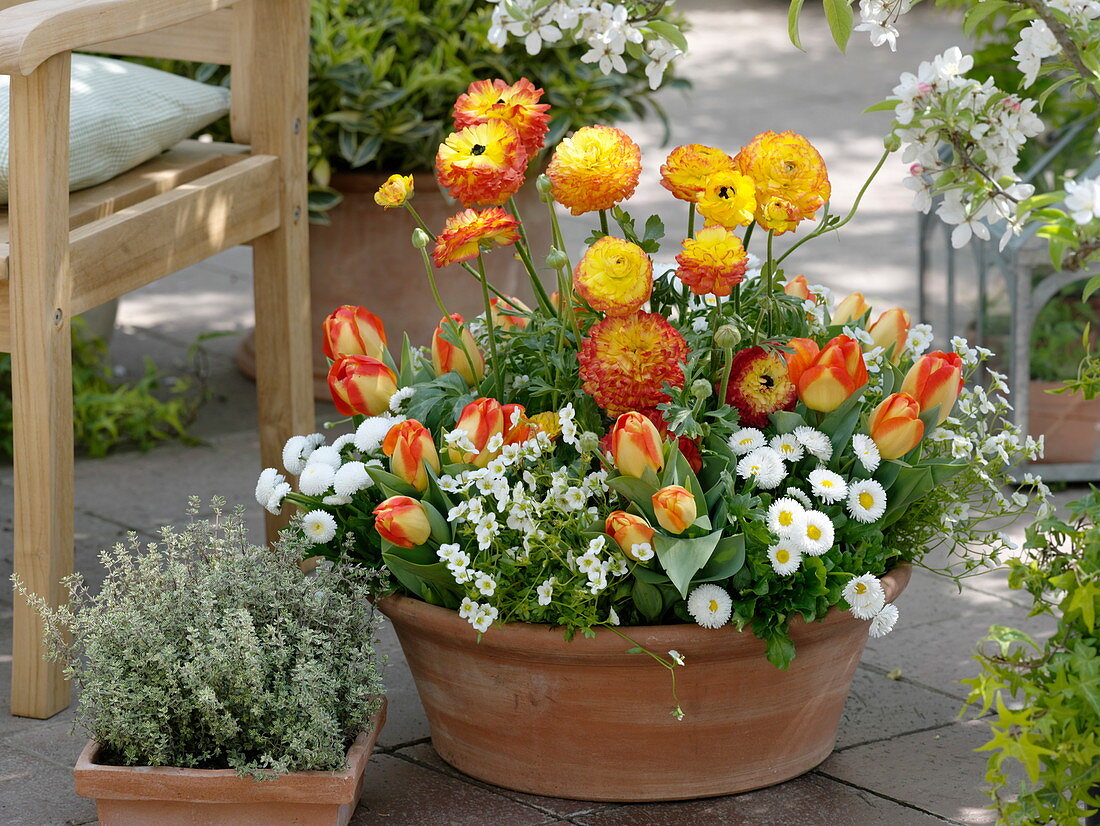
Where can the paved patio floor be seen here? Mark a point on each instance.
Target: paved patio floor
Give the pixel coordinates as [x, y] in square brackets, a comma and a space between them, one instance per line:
[903, 757]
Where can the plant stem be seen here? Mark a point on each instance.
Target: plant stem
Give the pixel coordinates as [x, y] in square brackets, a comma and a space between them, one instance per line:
[603, 222]
[748, 235]
[498, 376]
[431, 282]
[691, 219]
[465, 264]
[524, 248]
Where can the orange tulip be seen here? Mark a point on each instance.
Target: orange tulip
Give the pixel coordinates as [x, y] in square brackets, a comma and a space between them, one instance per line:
[481, 420]
[675, 508]
[636, 445]
[411, 449]
[935, 379]
[628, 530]
[805, 351]
[361, 386]
[799, 287]
[354, 331]
[836, 373]
[402, 521]
[852, 308]
[503, 310]
[522, 429]
[895, 425]
[467, 361]
[891, 330]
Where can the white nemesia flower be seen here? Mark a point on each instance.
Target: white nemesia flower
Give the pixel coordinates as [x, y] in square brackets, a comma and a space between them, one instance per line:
[643, 551]
[746, 440]
[764, 467]
[866, 501]
[815, 533]
[788, 447]
[783, 516]
[447, 550]
[545, 592]
[865, 449]
[710, 606]
[864, 595]
[785, 557]
[883, 622]
[468, 608]
[351, 478]
[816, 442]
[827, 485]
[319, 527]
[677, 657]
[316, 479]
[485, 584]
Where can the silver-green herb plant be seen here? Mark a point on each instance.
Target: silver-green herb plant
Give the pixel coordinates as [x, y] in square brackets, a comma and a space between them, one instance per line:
[203, 650]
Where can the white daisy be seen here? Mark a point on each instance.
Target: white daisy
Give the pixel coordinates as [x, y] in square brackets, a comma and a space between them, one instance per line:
[351, 478]
[292, 454]
[468, 608]
[326, 455]
[400, 397]
[866, 500]
[746, 440]
[319, 527]
[340, 442]
[485, 584]
[785, 557]
[274, 502]
[800, 496]
[369, 435]
[788, 447]
[815, 442]
[815, 533]
[265, 485]
[883, 622]
[710, 606]
[316, 479]
[764, 467]
[336, 500]
[643, 552]
[827, 486]
[783, 516]
[864, 595]
[545, 592]
[866, 451]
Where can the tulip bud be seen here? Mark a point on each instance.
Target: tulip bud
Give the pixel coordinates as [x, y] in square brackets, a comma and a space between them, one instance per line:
[502, 310]
[467, 361]
[361, 386]
[403, 521]
[557, 259]
[836, 373]
[805, 351]
[727, 337]
[628, 530]
[799, 287]
[851, 309]
[420, 239]
[636, 445]
[935, 379]
[411, 450]
[895, 425]
[354, 331]
[891, 330]
[395, 192]
[481, 420]
[675, 508]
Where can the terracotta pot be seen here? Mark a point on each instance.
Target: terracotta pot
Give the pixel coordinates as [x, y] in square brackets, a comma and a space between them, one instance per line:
[166, 796]
[526, 710]
[1070, 424]
[366, 258]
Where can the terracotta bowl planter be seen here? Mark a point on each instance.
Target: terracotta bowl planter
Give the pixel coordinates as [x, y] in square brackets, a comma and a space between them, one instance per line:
[166, 796]
[1070, 424]
[585, 720]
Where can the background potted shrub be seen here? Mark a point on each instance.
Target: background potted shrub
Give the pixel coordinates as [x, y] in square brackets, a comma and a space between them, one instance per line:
[205, 663]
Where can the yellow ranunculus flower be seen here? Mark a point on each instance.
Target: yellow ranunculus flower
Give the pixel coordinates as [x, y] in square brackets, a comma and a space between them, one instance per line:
[395, 192]
[594, 169]
[785, 166]
[615, 276]
[729, 199]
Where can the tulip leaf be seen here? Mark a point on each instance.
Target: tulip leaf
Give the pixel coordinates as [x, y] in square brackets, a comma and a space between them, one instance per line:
[414, 576]
[888, 473]
[420, 555]
[638, 491]
[727, 560]
[683, 558]
[678, 472]
[385, 479]
[912, 484]
[647, 599]
[441, 530]
[435, 494]
[651, 576]
[840, 424]
[785, 421]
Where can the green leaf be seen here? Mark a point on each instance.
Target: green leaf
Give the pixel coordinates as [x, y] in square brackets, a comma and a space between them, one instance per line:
[384, 478]
[883, 106]
[638, 491]
[647, 599]
[793, 13]
[839, 15]
[779, 650]
[786, 422]
[669, 32]
[683, 558]
[727, 560]
[413, 576]
[1091, 286]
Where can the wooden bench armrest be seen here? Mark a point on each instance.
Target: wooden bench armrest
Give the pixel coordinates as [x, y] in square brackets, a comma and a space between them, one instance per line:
[33, 31]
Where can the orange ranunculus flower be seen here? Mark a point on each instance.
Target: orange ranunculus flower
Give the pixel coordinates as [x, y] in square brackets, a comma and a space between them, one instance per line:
[411, 450]
[891, 330]
[467, 361]
[516, 104]
[776, 214]
[791, 180]
[482, 164]
[850, 310]
[594, 169]
[799, 287]
[713, 262]
[895, 425]
[614, 276]
[480, 421]
[804, 355]
[468, 232]
[628, 530]
[548, 423]
[503, 313]
[675, 508]
[402, 521]
[395, 192]
[354, 331]
[836, 373]
[361, 386]
[684, 173]
[728, 198]
[935, 379]
[636, 445]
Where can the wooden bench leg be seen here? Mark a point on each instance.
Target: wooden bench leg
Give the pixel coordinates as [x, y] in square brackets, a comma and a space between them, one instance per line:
[42, 386]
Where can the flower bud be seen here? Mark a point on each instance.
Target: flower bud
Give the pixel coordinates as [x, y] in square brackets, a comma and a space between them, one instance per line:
[411, 450]
[588, 442]
[361, 386]
[799, 287]
[353, 331]
[395, 192]
[835, 374]
[628, 530]
[891, 330]
[636, 445]
[502, 313]
[675, 508]
[467, 361]
[403, 521]
[543, 184]
[557, 259]
[727, 337]
[481, 420]
[420, 239]
[935, 379]
[892, 143]
[850, 310]
[701, 389]
[895, 425]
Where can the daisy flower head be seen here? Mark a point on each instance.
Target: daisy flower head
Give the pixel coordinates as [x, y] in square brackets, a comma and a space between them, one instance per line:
[713, 262]
[595, 169]
[482, 164]
[815, 442]
[883, 622]
[710, 606]
[784, 516]
[686, 169]
[327, 455]
[516, 104]
[296, 450]
[469, 232]
[827, 486]
[764, 467]
[351, 478]
[866, 500]
[865, 449]
[372, 431]
[316, 479]
[319, 527]
[785, 557]
[788, 447]
[815, 533]
[746, 440]
[799, 496]
[274, 503]
[614, 276]
[864, 595]
[269, 479]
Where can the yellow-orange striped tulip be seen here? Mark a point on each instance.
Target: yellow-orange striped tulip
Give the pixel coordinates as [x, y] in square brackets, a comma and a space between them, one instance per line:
[480, 420]
[799, 287]
[891, 329]
[467, 361]
[636, 445]
[805, 352]
[935, 379]
[675, 508]
[361, 386]
[503, 313]
[852, 308]
[835, 374]
[895, 425]
[354, 331]
[628, 530]
[403, 521]
[411, 450]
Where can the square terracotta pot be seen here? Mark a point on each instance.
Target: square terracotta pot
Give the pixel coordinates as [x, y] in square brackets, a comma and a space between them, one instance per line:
[167, 796]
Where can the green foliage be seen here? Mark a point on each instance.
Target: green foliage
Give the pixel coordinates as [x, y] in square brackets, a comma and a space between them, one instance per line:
[205, 651]
[1055, 731]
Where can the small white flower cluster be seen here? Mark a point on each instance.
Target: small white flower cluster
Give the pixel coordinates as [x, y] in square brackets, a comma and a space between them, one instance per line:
[1083, 200]
[608, 29]
[762, 461]
[1037, 41]
[867, 600]
[480, 615]
[877, 18]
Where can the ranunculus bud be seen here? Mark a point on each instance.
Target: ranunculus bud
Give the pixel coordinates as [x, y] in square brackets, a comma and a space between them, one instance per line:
[799, 287]
[467, 361]
[503, 313]
[701, 389]
[835, 374]
[935, 379]
[727, 337]
[628, 530]
[636, 445]
[411, 450]
[420, 239]
[557, 259]
[544, 185]
[481, 420]
[852, 308]
[403, 521]
[895, 425]
[675, 508]
[361, 386]
[891, 330]
[395, 192]
[354, 331]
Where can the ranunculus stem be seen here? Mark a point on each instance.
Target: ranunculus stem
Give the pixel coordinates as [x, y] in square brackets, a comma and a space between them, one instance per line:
[498, 376]
[603, 222]
[524, 247]
[691, 219]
